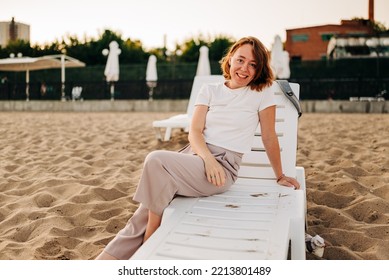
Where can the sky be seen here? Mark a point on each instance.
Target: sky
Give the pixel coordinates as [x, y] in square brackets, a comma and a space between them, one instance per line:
[155, 21]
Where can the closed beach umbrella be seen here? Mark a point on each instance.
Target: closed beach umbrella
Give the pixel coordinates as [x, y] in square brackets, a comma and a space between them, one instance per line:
[111, 71]
[151, 75]
[151, 71]
[203, 66]
[279, 59]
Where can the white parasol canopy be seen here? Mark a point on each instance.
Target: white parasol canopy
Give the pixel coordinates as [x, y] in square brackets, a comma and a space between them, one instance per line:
[280, 59]
[111, 71]
[38, 63]
[18, 64]
[203, 66]
[151, 75]
[151, 70]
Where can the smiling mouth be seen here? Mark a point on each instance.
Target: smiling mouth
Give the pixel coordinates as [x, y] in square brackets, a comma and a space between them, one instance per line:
[242, 76]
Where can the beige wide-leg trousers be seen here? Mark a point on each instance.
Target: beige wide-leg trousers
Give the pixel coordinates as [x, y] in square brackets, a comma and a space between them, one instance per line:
[167, 174]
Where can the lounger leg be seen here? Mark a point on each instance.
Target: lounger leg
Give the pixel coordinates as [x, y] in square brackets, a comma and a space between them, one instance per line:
[168, 133]
[298, 229]
[158, 133]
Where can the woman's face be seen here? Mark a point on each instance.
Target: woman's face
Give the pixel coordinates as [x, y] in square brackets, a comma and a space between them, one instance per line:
[242, 67]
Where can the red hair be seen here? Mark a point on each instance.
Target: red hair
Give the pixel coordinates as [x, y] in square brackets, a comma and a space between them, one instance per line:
[264, 76]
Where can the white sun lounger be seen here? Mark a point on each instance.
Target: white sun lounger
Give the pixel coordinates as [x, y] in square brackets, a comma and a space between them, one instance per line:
[182, 121]
[255, 219]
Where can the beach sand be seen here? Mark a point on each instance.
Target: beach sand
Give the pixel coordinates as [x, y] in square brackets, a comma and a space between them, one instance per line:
[67, 181]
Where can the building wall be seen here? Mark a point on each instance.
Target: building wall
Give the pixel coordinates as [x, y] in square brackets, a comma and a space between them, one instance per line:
[21, 32]
[310, 43]
[4, 34]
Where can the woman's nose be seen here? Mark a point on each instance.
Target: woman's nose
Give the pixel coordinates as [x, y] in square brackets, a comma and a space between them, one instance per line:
[244, 66]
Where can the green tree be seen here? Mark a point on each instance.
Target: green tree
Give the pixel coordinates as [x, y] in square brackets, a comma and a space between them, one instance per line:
[54, 48]
[132, 52]
[377, 26]
[219, 47]
[18, 46]
[190, 49]
[90, 50]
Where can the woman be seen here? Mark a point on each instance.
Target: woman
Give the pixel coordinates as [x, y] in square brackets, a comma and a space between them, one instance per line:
[223, 124]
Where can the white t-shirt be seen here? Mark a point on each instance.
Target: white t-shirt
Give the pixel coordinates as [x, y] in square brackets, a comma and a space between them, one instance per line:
[232, 115]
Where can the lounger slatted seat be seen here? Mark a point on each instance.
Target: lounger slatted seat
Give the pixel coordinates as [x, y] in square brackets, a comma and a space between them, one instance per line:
[255, 219]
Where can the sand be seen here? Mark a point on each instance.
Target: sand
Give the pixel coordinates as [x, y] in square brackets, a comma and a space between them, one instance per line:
[67, 181]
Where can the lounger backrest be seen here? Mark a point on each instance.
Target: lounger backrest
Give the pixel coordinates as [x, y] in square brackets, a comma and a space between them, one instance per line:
[198, 82]
[256, 164]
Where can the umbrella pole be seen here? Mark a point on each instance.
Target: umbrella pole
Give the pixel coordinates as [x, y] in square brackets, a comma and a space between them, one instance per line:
[151, 85]
[63, 78]
[27, 85]
[112, 90]
[151, 92]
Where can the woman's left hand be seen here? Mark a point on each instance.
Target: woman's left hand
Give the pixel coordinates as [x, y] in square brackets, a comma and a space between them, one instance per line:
[214, 171]
[289, 182]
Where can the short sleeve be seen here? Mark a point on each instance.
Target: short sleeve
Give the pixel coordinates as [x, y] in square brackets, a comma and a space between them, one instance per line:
[204, 96]
[267, 99]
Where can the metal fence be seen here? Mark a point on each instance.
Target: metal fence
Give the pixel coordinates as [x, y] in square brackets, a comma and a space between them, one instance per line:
[342, 88]
[318, 80]
[166, 89]
[310, 89]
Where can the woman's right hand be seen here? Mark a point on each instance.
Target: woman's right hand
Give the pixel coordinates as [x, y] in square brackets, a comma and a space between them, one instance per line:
[213, 169]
